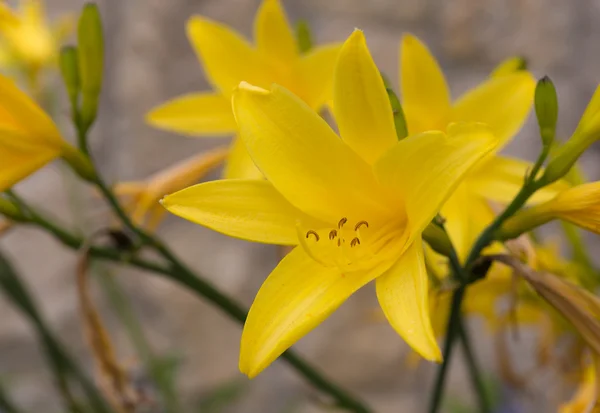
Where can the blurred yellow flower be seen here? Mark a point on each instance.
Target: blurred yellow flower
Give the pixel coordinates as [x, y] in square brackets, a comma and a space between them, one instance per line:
[229, 59]
[28, 41]
[354, 207]
[29, 139]
[579, 205]
[141, 197]
[586, 398]
[502, 102]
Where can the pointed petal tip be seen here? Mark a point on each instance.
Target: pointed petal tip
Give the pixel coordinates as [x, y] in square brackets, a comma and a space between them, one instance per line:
[409, 39]
[357, 36]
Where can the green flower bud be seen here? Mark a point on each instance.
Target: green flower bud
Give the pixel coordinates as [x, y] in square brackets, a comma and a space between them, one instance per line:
[399, 119]
[304, 36]
[91, 62]
[437, 239]
[546, 109]
[587, 132]
[69, 69]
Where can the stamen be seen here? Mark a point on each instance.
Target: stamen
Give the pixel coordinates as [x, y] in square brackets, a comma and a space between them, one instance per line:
[360, 224]
[311, 232]
[339, 242]
[354, 242]
[342, 222]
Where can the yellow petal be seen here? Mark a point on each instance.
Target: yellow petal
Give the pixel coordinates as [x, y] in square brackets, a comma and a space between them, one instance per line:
[500, 178]
[20, 113]
[297, 296]
[591, 116]
[403, 294]
[273, 34]
[248, 209]
[19, 158]
[466, 214]
[239, 163]
[196, 114]
[509, 66]
[579, 205]
[503, 103]
[304, 159]
[361, 104]
[228, 58]
[425, 94]
[423, 170]
[315, 71]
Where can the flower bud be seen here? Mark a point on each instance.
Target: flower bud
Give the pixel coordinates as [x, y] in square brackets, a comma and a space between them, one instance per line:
[587, 132]
[304, 36]
[399, 119]
[91, 62]
[70, 73]
[546, 109]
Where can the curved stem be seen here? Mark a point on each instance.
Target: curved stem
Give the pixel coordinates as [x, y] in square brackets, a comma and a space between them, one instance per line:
[180, 273]
[474, 371]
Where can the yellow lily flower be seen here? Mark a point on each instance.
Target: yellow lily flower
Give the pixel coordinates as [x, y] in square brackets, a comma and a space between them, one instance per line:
[502, 102]
[27, 38]
[228, 59]
[585, 399]
[142, 197]
[354, 208]
[29, 139]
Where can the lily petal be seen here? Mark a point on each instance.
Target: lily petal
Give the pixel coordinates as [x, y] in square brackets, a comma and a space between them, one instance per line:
[239, 163]
[227, 57]
[303, 158]
[464, 224]
[21, 113]
[315, 70]
[19, 158]
[248, 209]
[503, 103]
[196, 114]
[297, 296]
[425, 94]
[500, 178]
[509, 66]
[361, 104]
[403, 294]
[273, 34]
[423, 170]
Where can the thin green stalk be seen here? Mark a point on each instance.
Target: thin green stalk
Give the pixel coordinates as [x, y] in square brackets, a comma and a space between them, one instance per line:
[179, 272]
[474, 370]
[454, 320]
[60, 363]
[6, 404]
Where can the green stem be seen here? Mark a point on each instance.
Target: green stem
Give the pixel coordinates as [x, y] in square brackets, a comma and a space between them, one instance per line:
[6, 404]
[474, 371]
[179, 272]
[454, 320]
[60, 362]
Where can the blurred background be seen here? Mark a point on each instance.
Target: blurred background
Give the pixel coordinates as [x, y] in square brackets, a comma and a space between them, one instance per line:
[150, 60]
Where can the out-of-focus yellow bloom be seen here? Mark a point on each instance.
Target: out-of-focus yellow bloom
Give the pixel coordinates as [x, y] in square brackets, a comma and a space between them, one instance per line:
[579, 205]
[586, 398]
[586, 133]
[28, 41]
[229, 59]
[29, 139]
[142, 197]
[503, 102]
[354, 207]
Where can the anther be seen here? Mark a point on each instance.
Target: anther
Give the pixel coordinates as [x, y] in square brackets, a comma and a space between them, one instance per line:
[342, 222]
[339, 242]
[360, 224]
[332, 234]
[313, 233]
[354, 242]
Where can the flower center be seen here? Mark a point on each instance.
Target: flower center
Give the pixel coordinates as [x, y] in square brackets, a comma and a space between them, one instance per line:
[349, 245]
